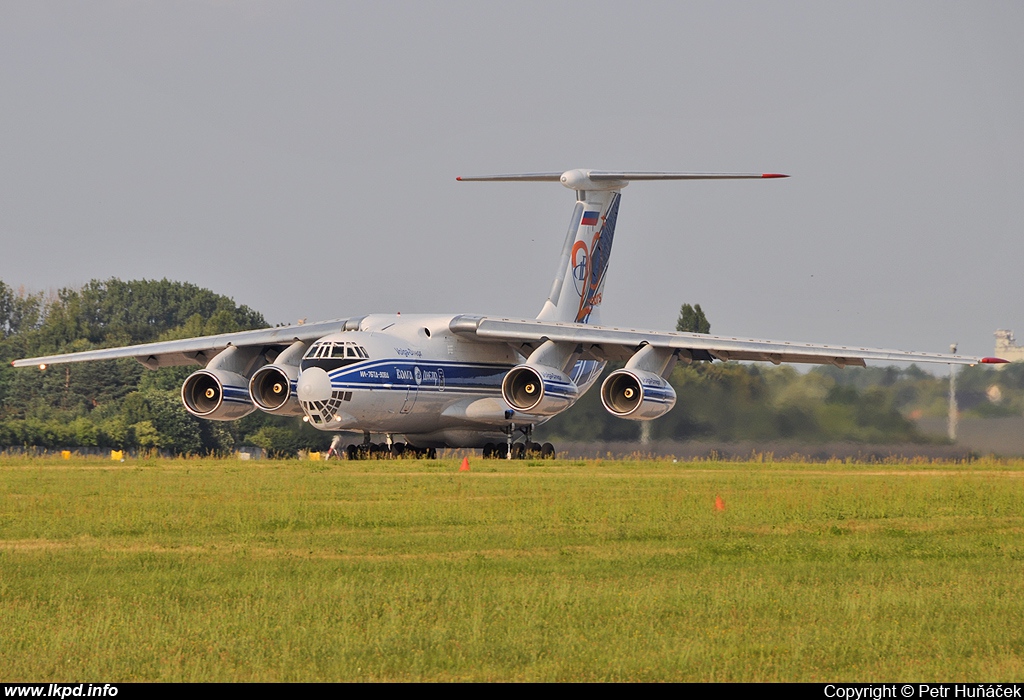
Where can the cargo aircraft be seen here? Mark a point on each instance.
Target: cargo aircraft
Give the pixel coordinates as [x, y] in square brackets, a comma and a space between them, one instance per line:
[429, 381]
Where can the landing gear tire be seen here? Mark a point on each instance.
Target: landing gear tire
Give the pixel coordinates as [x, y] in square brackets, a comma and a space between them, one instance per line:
[352, 452]
[398, 449]
[488, 451]
[431, 453]
[547, 451]
[518, 451]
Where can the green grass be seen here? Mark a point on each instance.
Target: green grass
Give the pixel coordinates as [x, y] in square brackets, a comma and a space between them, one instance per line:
[280, 571]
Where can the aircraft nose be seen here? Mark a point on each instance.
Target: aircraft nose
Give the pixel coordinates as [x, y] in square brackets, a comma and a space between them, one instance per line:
[314, 385]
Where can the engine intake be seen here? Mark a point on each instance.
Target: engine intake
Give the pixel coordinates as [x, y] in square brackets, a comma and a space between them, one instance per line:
[216, 394]
[271, 390]
[538, 390]
[637, 395]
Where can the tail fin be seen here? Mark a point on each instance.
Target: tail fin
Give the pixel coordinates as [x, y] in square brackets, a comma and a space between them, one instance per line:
[579, 281]
[578, 288]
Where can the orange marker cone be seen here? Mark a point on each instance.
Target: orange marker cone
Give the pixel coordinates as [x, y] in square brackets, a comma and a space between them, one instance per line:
[465, 465]
[719, 503]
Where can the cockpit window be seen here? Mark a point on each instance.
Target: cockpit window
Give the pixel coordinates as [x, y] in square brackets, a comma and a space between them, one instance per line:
[330, 355]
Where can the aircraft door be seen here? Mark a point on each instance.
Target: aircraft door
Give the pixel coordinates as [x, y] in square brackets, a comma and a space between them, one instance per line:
[410, 399]
[412, 391]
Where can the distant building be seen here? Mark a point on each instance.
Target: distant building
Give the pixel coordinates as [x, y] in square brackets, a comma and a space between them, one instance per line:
[1007, 348]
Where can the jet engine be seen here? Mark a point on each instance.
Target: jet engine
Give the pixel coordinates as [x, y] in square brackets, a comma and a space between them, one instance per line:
[271, 385]
[637, 395]
[540, 386]
[538, 390]
[271, 390]
[639, 391]
[220, 392]
[216, 395]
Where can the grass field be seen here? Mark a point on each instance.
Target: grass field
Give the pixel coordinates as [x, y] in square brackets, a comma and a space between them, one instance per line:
[279, 571]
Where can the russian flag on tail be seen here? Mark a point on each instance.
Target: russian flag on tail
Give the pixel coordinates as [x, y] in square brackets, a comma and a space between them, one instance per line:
[590, 218]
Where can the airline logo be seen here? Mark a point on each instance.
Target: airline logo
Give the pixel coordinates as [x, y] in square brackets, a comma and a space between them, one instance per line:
[590, 262]
[590, 218]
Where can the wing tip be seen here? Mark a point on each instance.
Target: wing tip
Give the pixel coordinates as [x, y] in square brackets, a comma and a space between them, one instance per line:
[994, 361]
[772, 175]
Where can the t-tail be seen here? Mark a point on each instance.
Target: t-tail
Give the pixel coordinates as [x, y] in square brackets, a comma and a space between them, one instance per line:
[578, 288]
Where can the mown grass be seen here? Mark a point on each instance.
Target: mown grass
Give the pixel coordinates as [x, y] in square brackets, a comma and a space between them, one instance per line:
[279, 571]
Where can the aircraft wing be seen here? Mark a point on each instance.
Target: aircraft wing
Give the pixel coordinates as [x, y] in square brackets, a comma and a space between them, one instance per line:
[609, 343]
[190, 351]
[598, 342]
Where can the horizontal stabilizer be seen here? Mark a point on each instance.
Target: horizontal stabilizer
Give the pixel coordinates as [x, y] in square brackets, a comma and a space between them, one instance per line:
[524, 177]
[602, 175]
[611, 179]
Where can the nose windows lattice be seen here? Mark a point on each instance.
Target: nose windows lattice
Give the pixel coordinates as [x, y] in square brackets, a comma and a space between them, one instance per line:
[323, 412]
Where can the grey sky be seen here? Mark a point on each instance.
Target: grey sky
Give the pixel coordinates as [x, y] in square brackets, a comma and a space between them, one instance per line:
[301, 157]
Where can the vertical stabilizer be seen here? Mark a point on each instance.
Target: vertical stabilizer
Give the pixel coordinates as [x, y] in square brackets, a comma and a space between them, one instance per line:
[578, 289]
[579, 281]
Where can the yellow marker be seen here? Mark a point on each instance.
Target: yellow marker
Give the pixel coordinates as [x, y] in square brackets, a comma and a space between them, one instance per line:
[117, 455]
[314, 456]
[66, 454]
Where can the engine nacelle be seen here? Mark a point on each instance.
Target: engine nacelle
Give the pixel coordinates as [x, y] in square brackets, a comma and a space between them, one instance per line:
[216, 394]
[271, 390]
[271, 385]
[637, 395]
[538, 390]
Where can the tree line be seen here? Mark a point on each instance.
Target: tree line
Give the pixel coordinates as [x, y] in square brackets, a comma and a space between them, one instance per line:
[733, 401]
[118, 404]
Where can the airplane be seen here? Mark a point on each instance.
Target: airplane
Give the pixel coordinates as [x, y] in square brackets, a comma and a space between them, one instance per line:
[471, 381]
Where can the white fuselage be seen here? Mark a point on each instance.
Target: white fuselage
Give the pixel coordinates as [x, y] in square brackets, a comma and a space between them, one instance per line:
[419, 380]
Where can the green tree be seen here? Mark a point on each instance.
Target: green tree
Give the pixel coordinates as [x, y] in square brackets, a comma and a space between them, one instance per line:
[146, 435]
[19, 311]
[692, 320]
[96, 404]
[114, 432]
[277, 441]
[6, 305]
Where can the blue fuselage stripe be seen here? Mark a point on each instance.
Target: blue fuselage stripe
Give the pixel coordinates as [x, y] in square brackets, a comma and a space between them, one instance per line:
[400, 374]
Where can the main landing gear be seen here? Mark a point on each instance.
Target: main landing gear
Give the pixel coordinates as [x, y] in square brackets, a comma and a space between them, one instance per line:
[399, 450]
[528, 449]
[388, 450]
[510, 449]
[520, 450]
